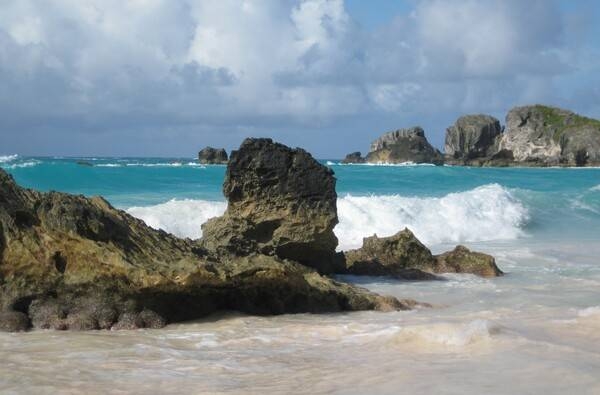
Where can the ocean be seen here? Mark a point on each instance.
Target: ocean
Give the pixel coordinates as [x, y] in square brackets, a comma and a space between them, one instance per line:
[534, 330]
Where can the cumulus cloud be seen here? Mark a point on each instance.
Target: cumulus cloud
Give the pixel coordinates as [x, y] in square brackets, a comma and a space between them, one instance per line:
[202, 70]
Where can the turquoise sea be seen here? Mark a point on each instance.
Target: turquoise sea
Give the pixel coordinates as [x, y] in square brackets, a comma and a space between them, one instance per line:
[537, 327]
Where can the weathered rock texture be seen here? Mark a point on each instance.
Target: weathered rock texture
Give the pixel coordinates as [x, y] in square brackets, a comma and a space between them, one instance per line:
[403, 255]
[403, 145]
[212, 156]
[472, 136]
[534, 136]
[282, 202]
[354, 157]
[70, 262]
[548, 136]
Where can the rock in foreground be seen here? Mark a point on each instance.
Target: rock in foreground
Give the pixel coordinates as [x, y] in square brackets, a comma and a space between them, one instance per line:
[212, 156]
[282, 202]
[404, 256]
[70, 262]
[403, 146]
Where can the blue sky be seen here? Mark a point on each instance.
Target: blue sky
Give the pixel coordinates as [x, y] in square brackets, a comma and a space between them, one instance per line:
[168, 77]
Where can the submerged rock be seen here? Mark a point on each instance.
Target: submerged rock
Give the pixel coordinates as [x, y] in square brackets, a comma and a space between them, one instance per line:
[354, 157]
[472, 136]
[212, 156]
[70, 262]
[281, 202]
[404, 256]
[463, 260]
[404, 145]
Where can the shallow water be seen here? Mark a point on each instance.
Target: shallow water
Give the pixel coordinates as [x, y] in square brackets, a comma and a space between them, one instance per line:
[535, 330]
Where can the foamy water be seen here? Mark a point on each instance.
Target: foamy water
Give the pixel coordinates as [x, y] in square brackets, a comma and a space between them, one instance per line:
[514, 334]
[489, 212]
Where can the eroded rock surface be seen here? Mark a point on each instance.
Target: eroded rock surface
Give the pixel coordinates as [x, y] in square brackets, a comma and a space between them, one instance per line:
[404, 256]
[70, 262]
[281, 202]
[353, 157]
[212, 156]
[403, 145]
[472, 136]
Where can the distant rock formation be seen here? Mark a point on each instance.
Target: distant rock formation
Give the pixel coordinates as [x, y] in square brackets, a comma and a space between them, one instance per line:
[534, 136]
[472, 136]
[549, 136]
[212, 156]
[402, 146]
[282, 202]
[353, 157]
[404, 256]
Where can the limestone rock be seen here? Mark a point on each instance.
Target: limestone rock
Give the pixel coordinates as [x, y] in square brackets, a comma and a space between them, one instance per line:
[463, 260]
[548, 136]
[403, 145]
[472, 136]
[212, 156]
[353, 157]
[281, 202]
[404, 256]
[13, 321]
[70, 262]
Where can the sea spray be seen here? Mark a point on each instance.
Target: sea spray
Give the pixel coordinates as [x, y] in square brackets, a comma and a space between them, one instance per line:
[489, 212]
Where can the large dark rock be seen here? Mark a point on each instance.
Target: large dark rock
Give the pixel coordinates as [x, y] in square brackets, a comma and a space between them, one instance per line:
[70, 262]
[281, 202]
[353, 157]
[472, 136]
[212, 156]
[403, 255]
[404, 145]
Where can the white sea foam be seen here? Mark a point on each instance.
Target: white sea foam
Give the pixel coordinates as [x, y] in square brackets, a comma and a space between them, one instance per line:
[596, 188]
[589, 311]
[8, 158]
[401, 164]
[30, 163]
[180, 217]
[489, 212]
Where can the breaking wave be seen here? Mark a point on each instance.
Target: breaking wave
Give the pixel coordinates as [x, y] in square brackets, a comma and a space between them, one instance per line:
[489, 212]
[8, 158]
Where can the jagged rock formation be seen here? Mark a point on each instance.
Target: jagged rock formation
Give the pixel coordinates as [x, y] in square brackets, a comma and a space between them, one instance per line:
[282, 202]
[403, 255]
[353, 157]
[403, 145]
[70, 262]
[212, 156]
[472, 136]
[534, 136]
[548, 136]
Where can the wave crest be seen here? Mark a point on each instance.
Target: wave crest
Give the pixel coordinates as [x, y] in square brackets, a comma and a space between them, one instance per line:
[489, 212]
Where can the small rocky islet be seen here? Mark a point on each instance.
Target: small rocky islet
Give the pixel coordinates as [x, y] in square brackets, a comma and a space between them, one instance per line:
[535, 135]
[71, 262]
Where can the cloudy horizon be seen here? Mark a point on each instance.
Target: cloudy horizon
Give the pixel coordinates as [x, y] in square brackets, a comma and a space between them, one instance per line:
[166, 78]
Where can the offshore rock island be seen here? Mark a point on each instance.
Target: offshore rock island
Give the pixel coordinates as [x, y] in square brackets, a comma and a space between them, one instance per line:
[534, 135]
[77, 263]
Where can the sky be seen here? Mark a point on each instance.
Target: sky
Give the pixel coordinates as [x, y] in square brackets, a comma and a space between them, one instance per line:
[168, 77]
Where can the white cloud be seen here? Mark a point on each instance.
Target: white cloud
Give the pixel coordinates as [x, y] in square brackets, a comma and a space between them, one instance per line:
[139, 64]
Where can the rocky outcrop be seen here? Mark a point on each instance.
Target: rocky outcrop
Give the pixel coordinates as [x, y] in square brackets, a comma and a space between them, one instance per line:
[71, 262]
[404, 256]
[403, 145]
[549, 136]
[472, 136]
[534, 136]
[212, 156]
[282, 202]
[353, 157]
